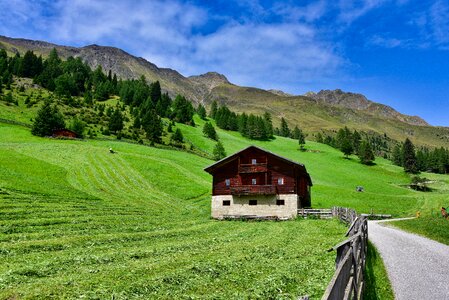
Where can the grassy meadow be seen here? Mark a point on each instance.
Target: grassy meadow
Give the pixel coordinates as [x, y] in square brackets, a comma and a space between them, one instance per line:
[79, 222]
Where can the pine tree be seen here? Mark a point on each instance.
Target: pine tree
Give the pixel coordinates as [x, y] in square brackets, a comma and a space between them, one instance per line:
[155, 92]
[116, 121]
[77, 126]
[152, 125]
[356, 140]
[183, 111]
[284, 131]
[213, 109]
[219, 151]
[268, 125]
[201, 111]
[409, 157]
[365, 153]
[136, 123]
[397, 155]
[209, 131]
[346, 147]
[48, 119]
[319, 138]
[301, 139]
[177, 136]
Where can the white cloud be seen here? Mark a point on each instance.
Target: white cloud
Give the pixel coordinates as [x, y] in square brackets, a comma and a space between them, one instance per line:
[439, 22]
[352, 10]
[309, 13]
[249, 52]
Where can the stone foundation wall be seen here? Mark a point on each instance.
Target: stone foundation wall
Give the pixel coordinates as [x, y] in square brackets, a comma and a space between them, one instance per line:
[266, 206]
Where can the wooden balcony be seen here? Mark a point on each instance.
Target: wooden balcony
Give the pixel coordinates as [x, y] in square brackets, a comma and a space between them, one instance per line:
[253, 168]
[246, 190]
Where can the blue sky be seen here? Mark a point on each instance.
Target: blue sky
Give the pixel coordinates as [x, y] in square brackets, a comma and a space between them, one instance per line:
[394, 52]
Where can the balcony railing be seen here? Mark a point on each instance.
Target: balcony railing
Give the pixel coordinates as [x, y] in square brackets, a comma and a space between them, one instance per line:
[253, 168]
[244, 190]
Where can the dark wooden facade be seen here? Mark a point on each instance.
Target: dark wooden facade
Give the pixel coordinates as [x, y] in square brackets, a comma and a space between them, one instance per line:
[254, 171]
[66, 133]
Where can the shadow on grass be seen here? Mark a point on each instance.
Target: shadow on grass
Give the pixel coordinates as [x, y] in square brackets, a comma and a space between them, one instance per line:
[377, 284]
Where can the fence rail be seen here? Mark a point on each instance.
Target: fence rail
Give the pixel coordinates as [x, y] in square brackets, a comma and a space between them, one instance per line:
[348, 281]
[318, 213]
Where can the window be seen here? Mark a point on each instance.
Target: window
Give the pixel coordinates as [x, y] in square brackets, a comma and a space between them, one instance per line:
[254, 181]
[281, 181]
[228, 182]
[252, 202]
[253, 161]
[280, 202]
[226, 202]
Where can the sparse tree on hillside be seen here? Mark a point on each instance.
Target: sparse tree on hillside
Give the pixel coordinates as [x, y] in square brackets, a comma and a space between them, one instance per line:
[346, 147]
[48, 119]
[209, 131]
[77, 126]
[409, 157]
[284, 131]
[201, 111]
[366, 154]
[213, 109]
[177, 136]
[219, 151]
[396, 156]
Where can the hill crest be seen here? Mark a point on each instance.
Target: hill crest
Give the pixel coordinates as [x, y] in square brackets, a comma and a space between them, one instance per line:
[325, 111]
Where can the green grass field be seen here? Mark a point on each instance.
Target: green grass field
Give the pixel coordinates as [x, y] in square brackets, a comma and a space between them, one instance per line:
[77, 221]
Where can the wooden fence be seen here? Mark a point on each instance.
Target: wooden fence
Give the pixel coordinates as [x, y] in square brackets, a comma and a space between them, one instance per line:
[348, 280]
[316, 213]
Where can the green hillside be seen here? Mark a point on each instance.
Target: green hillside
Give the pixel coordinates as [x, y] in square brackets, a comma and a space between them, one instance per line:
[77, 221]
[310, 115]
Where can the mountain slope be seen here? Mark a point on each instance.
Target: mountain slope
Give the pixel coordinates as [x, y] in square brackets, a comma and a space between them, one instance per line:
[360, 102]
[324, 111]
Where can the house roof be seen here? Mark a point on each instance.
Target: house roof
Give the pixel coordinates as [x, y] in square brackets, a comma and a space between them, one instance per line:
[210, 169]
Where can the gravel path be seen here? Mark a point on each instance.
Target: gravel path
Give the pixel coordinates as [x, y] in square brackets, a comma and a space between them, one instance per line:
[417, 267]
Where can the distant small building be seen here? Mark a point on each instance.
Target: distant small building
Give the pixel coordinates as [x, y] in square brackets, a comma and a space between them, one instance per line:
[256, 183]
[66, 133]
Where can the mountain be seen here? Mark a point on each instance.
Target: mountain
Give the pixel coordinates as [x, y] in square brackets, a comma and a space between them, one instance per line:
[360, 102]
[323, 111]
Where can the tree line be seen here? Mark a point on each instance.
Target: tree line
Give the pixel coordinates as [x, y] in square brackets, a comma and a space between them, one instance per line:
[76, 84]
[350, 142]
[421, 160]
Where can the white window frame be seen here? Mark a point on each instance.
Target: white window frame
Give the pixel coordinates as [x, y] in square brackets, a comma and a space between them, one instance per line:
[254, 181]
[281, 181]
[254, 161]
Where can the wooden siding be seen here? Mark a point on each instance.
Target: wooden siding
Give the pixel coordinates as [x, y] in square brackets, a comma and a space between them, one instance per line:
[267, 171]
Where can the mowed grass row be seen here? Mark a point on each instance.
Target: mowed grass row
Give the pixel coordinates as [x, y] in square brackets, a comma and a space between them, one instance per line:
[77, 221]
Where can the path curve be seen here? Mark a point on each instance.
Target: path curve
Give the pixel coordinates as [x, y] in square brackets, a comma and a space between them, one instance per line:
[418, 267]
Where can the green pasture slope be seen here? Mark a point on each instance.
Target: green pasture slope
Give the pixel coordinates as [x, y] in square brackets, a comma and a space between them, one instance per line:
[335, 178]
[77, 221]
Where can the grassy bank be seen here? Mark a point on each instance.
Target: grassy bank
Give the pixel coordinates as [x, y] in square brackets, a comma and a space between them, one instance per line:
[377, 283]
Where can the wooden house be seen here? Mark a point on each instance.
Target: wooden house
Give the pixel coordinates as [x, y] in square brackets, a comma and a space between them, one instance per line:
[64, 133]
[256, 183]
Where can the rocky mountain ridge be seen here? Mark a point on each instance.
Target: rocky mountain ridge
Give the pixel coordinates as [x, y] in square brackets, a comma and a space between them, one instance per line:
[360, 102]
[323, 111]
